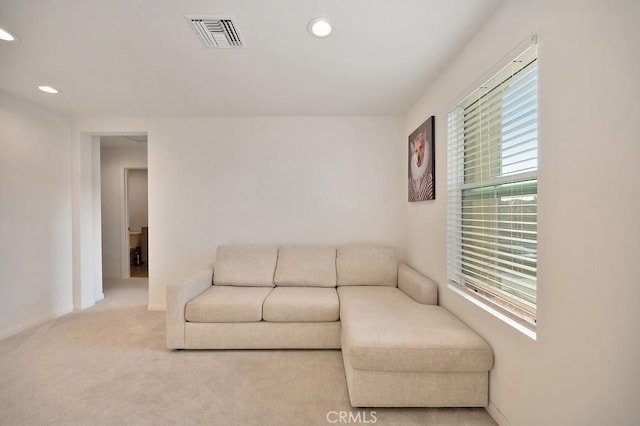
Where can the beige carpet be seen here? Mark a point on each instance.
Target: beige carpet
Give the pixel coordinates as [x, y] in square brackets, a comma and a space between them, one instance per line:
[108, 365]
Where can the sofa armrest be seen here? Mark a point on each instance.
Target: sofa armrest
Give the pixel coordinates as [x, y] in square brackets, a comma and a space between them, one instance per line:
[177, 297]
[417, 286]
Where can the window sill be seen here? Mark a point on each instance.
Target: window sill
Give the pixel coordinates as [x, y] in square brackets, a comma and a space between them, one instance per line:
[512, 320]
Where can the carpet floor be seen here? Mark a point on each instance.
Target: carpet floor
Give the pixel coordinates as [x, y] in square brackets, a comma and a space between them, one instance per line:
[108, 365]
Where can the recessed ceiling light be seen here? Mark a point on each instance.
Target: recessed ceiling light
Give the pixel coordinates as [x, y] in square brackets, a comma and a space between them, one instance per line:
[319, 27]
[47, 89]
[6, 35]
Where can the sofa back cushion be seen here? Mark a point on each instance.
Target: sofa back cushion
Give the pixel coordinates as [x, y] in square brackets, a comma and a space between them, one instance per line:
[366, 265]
[306, 267]
[245, 266]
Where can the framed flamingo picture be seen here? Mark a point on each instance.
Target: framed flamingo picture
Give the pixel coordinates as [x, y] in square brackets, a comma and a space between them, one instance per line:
[422, 176]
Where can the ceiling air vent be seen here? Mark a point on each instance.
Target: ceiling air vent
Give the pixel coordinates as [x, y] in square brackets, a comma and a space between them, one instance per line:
[216, 32]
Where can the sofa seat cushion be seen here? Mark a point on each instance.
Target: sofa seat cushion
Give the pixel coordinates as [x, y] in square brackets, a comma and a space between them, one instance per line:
[302, 304]
[366, 265]
[227, 304]
[245, 266]
[383, 329]
[306, 267]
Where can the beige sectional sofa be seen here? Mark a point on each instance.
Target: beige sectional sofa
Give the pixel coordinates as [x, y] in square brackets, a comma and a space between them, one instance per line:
[399, 348]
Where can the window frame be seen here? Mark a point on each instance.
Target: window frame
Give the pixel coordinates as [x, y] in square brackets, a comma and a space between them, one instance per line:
[456, 172]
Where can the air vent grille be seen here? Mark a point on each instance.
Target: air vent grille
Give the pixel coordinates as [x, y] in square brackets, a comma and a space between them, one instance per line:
[218, 33]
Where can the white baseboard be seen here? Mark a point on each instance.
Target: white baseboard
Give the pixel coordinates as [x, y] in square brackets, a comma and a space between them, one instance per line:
[156, 307]
[11, 331]
[497, 415]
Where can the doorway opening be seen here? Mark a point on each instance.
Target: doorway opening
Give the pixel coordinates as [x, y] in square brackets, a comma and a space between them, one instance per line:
[137, 221]
[124, 207]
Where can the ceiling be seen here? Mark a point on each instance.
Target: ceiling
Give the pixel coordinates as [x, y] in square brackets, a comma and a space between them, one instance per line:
[141, 57]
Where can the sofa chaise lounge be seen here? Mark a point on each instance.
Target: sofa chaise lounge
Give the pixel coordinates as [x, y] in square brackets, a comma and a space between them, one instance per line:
[400, 349]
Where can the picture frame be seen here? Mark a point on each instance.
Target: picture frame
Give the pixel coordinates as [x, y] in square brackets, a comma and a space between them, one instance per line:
[421, 162]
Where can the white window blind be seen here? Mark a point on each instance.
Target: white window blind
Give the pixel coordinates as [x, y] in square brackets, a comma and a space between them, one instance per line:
[492, 190]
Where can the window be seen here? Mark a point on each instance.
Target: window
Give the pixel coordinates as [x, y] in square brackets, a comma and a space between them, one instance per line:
[492, 192]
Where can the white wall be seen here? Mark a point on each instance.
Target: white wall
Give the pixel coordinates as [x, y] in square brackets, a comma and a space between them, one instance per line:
[584, 366]
[137, 194]
[113, 162]
[96, 219]
[35, 215]
[86, 219]
[300, 180]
